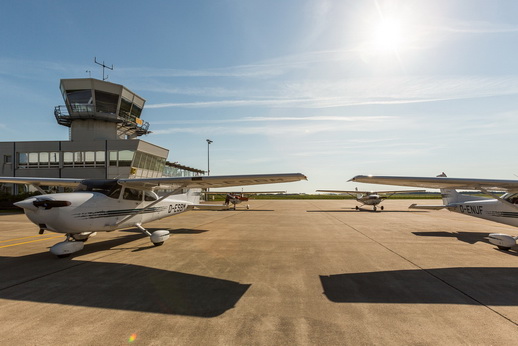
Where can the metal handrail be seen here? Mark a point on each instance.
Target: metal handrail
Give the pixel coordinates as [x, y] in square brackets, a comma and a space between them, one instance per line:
[64, 117]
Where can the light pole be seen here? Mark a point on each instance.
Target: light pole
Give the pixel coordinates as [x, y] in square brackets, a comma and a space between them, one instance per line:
[208, 156]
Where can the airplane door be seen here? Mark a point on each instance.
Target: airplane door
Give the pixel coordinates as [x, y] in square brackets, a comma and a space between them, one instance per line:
[131, 202]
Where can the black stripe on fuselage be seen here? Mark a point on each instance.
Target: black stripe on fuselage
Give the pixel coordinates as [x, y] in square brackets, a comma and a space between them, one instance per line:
[116, 213]
[507, 214]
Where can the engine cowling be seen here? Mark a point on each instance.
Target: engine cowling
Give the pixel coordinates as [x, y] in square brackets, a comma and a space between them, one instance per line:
[502, 240]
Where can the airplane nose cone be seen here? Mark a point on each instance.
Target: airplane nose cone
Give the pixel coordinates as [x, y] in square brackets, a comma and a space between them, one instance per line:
[27, 204]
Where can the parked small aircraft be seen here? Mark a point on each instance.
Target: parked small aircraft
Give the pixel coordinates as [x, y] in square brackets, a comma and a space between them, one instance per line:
[108, 205]
[235, 198]
[370, 197]
[501, 208]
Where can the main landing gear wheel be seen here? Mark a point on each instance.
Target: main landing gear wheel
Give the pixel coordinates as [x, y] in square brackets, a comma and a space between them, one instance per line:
[374, 208]
[157, 237]
[381, 208]
[357, 208]
[503, 248]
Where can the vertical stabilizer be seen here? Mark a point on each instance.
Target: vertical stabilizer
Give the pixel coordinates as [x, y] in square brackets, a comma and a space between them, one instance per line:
[193, 196]
[451, 196]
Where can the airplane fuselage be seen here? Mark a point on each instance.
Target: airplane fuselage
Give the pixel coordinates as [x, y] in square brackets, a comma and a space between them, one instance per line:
[369, 199]
[490, 209]
[94, 212]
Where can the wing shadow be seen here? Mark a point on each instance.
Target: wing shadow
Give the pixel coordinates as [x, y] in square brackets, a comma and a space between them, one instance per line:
[466, 237]
[470, 286]
[43, 278]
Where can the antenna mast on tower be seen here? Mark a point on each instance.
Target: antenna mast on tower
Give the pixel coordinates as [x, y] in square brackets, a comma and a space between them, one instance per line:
[104, 66]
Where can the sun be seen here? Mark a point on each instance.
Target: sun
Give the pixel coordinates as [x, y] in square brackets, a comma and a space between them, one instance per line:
[387, 36]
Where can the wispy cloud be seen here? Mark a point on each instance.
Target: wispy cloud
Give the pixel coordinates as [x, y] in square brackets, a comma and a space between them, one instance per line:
[283, 125]
[478, 27]
[363, 91]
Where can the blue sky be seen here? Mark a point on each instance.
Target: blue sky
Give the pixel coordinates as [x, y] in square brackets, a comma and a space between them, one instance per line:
[330, 89]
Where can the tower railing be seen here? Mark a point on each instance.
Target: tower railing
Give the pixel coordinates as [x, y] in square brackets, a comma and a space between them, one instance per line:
[88, 111]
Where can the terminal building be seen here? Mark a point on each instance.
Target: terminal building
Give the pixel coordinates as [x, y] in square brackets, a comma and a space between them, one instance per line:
[104, 121]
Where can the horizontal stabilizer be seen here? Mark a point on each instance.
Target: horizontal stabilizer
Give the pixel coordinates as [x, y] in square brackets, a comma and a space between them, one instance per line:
[211, 207]
[428, 207]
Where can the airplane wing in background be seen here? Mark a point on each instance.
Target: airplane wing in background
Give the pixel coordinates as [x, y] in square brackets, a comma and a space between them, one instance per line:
[241, 193]
[371, 192]
[441, 182]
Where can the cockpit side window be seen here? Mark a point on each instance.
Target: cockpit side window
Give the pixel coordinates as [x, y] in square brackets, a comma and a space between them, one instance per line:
[132, 194]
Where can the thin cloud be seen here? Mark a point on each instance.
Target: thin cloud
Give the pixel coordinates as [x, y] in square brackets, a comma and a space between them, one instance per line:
[359, 91]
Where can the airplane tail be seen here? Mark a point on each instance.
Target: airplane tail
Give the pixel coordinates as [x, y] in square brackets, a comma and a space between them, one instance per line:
[193, 196]
[451, 196]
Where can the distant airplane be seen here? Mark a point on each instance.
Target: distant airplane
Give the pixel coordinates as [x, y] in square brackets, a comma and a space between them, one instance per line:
[109, 205]
[239, 197]
[370, 197]
[501, 208]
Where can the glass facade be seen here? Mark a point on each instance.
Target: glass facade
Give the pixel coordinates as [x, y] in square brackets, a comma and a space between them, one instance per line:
[170, 171]
[46, 159]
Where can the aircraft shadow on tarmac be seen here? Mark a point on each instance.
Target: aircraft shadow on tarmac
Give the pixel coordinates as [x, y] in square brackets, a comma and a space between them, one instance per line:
[466, 237]
[171, 231]
[352, 210]
[471, 286]
[44, 278]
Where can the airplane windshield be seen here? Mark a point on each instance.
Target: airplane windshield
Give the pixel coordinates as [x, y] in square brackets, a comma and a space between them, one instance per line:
[511, 198]
[109, 188]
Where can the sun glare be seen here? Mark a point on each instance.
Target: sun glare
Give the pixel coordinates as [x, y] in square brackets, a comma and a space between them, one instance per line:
[391, 33]
[387, 36]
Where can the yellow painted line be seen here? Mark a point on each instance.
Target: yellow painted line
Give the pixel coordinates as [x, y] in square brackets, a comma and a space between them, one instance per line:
[32, 236]
[32, 241]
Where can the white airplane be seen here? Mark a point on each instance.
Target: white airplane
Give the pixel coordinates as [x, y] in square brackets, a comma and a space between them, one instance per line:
[108, 205]
[235, 198]
[501, 208]
[370, 197]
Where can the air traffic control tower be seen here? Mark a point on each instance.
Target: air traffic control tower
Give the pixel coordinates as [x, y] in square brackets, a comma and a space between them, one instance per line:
[100, 110]
[104, 125]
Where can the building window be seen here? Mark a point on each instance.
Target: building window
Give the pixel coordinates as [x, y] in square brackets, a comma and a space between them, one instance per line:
[100, 158]
[125, 158]
[52, 159]
[68, 159]
[106, 102]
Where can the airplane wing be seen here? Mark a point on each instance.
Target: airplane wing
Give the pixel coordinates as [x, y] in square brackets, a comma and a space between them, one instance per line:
[169, 183]
[65, 182]
[371, 192]
[211, 181]
[240, 193]
[441, 182]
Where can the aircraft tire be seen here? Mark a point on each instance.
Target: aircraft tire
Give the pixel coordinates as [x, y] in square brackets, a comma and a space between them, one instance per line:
[382, 208]
[63, 256]
[158, 244]
[503, 248]
[357, 208]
